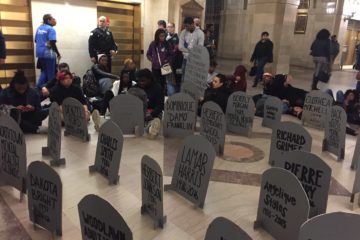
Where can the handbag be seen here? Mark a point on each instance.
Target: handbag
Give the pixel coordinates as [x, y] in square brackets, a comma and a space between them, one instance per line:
[166, 68]
[252, 71]
[323, 77]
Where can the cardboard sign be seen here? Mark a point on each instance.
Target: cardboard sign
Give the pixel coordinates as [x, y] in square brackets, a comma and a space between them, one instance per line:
[224, 229]
[128, 113]
[316, 107]
[314, 175]
[213, 126]
[179, 116]
[74, 119]
[240, 113]
[356, 155]
[152, 191]
[331, 226]
[335, 132]
[100, 220]
[283, 204]
[53, 147]
[197, 67]
[108, 151]
[12, 154]
[194, 163]
[190, 89]
[45, 197]
[273, 108]
[286, 137]
[355, 196]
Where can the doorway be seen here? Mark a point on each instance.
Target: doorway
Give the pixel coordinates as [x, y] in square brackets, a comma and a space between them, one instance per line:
[351, 40]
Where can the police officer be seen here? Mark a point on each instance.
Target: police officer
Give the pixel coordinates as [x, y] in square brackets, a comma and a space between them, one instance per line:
[101, 41]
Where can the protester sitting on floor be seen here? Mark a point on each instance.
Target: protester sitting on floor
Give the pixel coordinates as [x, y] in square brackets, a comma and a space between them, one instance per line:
[238, 80]
[130, 68]
[26, 103]
[211, 72]
[103, 75]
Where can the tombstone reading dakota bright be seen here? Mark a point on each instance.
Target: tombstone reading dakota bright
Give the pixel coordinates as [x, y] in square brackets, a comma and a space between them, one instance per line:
[272, 112]
[223, 229]
[45, 197]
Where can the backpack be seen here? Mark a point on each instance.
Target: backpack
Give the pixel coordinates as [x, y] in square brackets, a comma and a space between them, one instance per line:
[90, 84]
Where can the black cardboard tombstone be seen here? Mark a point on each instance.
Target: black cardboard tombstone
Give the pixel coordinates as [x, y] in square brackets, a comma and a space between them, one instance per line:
[273, 108]
[179, 116]
[53, 147]
[100, 220]
[108, 151]
[240, 113]
[152, 191]
[314, 175]
[12, 155]
[316, 107]
[128, 113]
[197, 67]
[213, 126]
[194, 163]
[335, 132]
[45, 197]
[356, 155]
[283, 204]
[286, 137]
[223, 229]
[74, 119]
[190, 89]
[331, 226]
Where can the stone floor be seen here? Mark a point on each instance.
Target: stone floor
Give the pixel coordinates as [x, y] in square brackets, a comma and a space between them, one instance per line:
[233, 190]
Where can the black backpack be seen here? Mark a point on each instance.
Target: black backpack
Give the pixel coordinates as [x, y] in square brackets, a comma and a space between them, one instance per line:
[90, 84]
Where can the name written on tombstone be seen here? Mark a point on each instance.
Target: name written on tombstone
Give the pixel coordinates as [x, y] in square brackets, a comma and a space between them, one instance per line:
[239, 117]
[178, 114]
[108, 145]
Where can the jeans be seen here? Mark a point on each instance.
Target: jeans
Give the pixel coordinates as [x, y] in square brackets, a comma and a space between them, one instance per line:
[172, 86]
[339, 95]
[105, 85]
[48, 68]
[260, 64]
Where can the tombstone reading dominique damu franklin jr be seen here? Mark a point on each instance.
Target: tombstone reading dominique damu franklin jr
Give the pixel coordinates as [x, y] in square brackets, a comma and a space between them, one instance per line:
[223, 229]
[273, 108]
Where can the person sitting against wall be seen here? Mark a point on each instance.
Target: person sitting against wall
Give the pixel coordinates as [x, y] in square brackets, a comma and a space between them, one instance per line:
[103, 75]
[25, 102]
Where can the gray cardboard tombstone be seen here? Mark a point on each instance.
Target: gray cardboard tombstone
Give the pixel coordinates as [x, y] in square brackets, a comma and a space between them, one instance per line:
[331, 226]
[190, 89]
[108, 151]
[45, 197]
[128, 113]
[355, 196]
[12, 154]
[74, 119]
[356, 155]
[213, 126]
[273, 108]
[53, 147]
[179, 116]
[286, 137]
[152, 191]
[314, 175]
[98, 218]
[316, 107]
[240, 113]
[223, 229]
[194, 163]
[283, 204]
[335, 132]
[197, 67]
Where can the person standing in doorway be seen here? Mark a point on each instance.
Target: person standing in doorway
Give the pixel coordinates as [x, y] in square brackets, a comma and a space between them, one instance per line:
[101, 41]
[2, 49]
[197, 23]
[263, 54]
[334, 49]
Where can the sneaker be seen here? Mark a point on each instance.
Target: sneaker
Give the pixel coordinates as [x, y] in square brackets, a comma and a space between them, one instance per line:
[95, 115]
[154, 128]
[42, 130]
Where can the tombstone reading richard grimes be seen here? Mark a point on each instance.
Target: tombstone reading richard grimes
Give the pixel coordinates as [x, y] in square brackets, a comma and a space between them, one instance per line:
[283, 204]
[272, 112]
[194, 163]
[108, 151]
[152, 191]
[223, 229]
[45, 197]
[100, 220]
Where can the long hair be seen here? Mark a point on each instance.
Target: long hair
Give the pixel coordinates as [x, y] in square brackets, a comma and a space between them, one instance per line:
[19, 78]
[157, 38]
[323, 34]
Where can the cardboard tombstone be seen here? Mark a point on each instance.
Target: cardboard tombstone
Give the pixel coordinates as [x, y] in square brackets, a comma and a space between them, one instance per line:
[197, 67]
[127, 111]
[53, 147]
[314, 175]
[213, 126]
[283, 204]
[98, 218]
[240, 113]
[355, 196]
[12, 155]
[331, 226]
[45, 197]
[273, 108]
[222, 228]
[190, 89]
[335, 132]
[356, 155]
[74, 119]
[316, 107]
[286, 137]
[194, 163]
[108, 151]
[152, 191]
[179, 116]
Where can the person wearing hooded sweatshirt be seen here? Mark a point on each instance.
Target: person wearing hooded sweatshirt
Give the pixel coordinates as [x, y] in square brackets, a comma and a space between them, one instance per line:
[238, 80]
[103, 75]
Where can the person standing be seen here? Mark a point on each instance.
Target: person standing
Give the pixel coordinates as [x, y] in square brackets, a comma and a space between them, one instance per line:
[334, 49]
[263, 54]
[197, 23]
[2, 49]
[161, 24]
[173, 86]
[46, 50]
[357, 63]
[101, 41]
